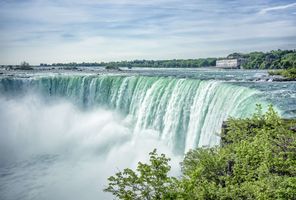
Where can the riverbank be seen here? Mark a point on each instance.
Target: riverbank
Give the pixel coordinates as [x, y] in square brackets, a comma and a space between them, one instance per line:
[284, 75]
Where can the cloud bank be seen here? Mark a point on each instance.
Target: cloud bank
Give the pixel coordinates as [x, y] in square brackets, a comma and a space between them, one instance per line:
[66, 31]
[282, 7]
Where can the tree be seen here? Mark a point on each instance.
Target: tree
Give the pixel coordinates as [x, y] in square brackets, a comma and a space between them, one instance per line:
[24, 66]
[151, 181]
[256, 160]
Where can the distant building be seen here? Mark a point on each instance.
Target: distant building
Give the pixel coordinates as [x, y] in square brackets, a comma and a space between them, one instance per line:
[229, 63]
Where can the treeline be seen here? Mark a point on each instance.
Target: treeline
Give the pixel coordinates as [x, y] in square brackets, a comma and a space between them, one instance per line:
[180, 63]
[276, 59]
[73, 64]
[256, 160]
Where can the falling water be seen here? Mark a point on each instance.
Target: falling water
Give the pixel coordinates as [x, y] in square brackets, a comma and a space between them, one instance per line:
[64, 134]
[185, 113]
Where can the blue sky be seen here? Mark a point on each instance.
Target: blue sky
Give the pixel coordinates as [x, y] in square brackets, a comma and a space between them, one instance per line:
[100, 30]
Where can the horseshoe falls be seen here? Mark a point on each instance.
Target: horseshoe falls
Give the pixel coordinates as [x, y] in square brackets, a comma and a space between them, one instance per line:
[185, 113]
[63, 134]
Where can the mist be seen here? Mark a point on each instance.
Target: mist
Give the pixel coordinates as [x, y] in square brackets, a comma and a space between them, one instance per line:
[56, 150]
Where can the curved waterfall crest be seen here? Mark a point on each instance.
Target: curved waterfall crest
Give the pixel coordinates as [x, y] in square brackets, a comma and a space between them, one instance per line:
[185, 113]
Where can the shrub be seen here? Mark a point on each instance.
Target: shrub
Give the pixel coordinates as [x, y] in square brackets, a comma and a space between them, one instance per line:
[256, 161]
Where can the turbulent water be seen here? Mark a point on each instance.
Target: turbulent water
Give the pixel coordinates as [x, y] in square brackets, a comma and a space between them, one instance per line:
[185, 113]
[63, 135]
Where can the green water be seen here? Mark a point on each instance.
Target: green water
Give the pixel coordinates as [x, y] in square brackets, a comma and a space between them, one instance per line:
[62, 133]
[185, 112]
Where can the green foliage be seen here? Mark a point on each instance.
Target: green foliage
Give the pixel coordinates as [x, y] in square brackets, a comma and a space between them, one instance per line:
[189, 63]
[74, 64]
[257, 160]
[151, 181]
[180, 63]
[279, 59]
[112, 67]
[288, 73]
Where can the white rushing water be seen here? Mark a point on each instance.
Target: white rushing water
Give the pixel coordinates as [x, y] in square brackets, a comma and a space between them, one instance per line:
[62, 136]
[58, 151]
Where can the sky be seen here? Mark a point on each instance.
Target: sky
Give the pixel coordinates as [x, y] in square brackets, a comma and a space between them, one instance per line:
[51, 31]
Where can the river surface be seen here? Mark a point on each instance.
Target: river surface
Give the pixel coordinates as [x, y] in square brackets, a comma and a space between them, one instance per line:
[63, 132]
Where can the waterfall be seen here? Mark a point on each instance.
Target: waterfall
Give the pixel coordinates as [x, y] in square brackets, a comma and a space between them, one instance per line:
[185, 113]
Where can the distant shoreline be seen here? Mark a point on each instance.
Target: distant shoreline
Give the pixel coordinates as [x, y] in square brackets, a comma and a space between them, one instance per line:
[97, 71]
[275, 59]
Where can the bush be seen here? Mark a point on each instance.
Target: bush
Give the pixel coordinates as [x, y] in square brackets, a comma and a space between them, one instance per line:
[288, 73]
[256, 161]
[150, 181]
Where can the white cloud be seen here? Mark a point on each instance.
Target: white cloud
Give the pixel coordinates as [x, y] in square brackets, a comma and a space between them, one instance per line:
[275, 8]
[64, 31]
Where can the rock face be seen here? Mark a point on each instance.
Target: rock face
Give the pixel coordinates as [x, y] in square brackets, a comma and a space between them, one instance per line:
[293, 128]
[224, 133]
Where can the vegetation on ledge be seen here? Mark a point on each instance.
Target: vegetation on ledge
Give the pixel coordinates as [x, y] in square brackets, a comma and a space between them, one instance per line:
[288, 73]
[109, 67]
[256, 161]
